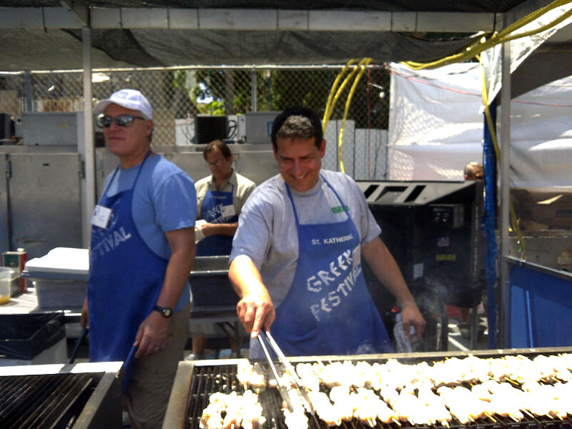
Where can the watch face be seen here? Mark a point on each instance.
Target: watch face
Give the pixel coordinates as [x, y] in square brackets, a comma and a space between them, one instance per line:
[165, 311]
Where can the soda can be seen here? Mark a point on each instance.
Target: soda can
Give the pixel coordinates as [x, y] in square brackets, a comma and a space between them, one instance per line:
[17, 259]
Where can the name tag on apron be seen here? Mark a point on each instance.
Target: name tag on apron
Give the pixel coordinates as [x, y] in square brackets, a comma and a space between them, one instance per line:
[228, 211]
[101, 216]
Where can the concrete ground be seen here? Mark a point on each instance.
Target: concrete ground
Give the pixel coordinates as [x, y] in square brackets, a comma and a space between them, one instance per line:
[458, 341]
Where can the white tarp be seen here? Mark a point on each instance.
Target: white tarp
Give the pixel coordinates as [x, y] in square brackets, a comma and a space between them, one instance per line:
[521, 48]
[436, 127]
[435, 123]
[541, 136]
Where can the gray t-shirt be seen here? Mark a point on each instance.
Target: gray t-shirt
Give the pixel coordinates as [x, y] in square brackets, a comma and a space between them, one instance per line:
[267, 231]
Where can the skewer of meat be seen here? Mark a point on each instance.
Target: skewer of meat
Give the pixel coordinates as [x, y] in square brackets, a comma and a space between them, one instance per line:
[325, 409]
[286, 379]
[307, 376]
[556, 367]
[425, 409]
[454, 371]
[232, 411]
[432, 408]
[336, 374]
[342, 402]
[505, 400]
[553, 401]
[368, 407]
[252, 376]
[295, 419]
[463, 404]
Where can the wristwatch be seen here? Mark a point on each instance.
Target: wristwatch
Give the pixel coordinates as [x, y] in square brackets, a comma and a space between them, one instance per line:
[165, 311]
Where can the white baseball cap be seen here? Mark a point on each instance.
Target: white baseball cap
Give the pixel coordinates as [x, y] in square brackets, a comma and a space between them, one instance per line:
[128, 98]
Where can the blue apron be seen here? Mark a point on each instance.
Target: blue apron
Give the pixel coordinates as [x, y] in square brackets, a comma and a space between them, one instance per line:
[211, 211]
[125, 279]
[328, 310]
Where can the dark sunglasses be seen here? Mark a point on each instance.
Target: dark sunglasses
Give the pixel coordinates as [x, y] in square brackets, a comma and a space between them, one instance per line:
[120, 121]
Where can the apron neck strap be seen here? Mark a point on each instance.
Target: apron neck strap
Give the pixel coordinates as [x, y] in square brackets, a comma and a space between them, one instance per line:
[330, 186]
[136, 178]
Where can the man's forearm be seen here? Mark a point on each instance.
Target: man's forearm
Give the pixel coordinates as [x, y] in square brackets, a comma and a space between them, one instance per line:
[219, 229]
[176, 277]
[244, 276]
[255, 309]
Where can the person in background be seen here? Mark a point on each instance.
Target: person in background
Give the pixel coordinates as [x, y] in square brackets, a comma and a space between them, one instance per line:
[220, 198]
[296, 256]
[142, 251]
[473, 171]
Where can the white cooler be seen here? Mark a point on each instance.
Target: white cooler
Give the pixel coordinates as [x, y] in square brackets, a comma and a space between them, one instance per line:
[59, 278]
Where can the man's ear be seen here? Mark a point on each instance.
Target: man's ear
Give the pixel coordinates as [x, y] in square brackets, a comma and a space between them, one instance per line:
[148, 127]
[323, 148]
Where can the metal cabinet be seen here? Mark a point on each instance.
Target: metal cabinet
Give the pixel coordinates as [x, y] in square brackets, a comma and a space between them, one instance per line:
[43, 201]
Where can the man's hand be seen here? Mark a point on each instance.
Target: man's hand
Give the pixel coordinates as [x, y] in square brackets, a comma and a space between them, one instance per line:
[207, 229]
[256, 311]
[411, 316]
[84, 318]
[152, 335]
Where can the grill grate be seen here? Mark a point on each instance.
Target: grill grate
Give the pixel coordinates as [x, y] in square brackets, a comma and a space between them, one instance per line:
[222, 378]
[43, 401]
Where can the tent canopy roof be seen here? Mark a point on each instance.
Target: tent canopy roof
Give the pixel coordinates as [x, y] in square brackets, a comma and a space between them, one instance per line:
[47, 34]
[489, 6]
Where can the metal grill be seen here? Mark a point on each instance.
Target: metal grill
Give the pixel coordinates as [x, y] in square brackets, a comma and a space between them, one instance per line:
[78, 396]
[223, 379]
[208, 379]
[43, 401]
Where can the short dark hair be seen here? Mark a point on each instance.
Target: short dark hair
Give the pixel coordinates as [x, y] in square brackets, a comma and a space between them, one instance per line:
[298, 122]
[222, 146]
[470, 169]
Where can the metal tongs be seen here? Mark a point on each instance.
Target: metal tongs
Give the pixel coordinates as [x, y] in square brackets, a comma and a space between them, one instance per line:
[289, 369]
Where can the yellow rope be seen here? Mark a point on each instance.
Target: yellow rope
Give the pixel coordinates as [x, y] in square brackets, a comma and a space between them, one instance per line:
[363, 66]
[332, 100]
[331, 103]
[500, 37]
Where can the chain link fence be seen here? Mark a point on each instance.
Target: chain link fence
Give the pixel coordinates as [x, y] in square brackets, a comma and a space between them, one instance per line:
[180, 95]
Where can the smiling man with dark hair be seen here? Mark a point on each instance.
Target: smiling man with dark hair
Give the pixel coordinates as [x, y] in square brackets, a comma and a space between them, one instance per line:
[296, 258]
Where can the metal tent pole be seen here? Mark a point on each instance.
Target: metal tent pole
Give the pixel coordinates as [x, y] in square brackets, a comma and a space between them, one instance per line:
[87, 151]
[490, 166]
[504, 322]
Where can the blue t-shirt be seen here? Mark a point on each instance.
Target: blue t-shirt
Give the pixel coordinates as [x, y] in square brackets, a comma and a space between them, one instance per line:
[164, 200]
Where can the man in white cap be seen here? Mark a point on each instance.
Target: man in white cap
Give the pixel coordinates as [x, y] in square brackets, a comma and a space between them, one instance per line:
[142, 250]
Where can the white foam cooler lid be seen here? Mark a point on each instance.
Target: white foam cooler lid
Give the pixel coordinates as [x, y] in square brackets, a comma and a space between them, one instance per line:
[60, 260]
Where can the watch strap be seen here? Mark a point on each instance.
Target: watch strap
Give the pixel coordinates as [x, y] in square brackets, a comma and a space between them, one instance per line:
[165, 311]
